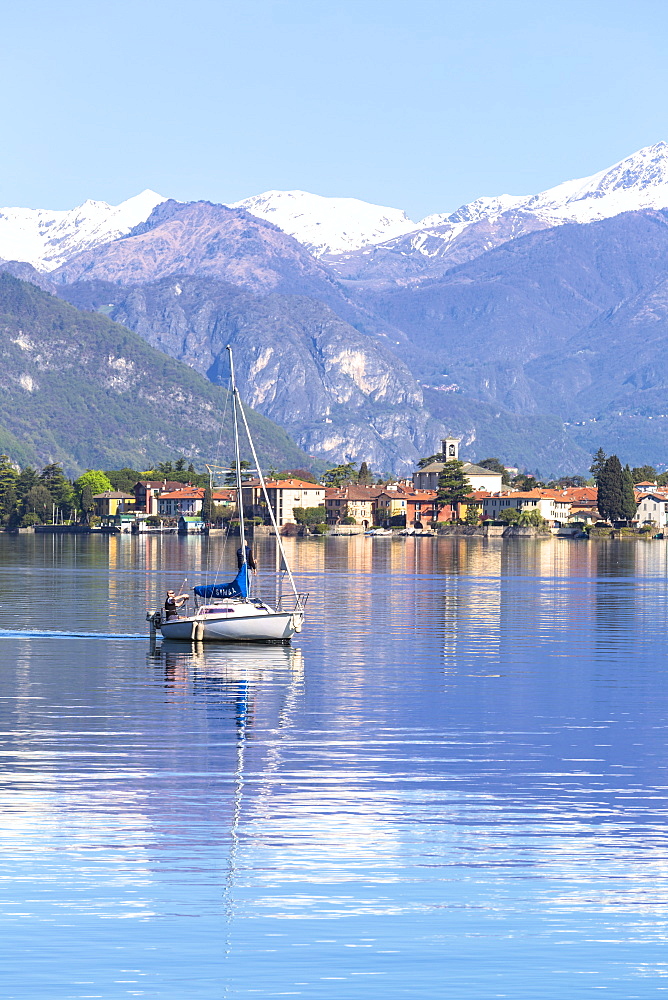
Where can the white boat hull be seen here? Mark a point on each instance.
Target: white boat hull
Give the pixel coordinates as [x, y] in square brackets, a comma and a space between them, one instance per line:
[277, 627]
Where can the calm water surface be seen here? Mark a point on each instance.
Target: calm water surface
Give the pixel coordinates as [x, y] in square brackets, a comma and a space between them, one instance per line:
[453, 785]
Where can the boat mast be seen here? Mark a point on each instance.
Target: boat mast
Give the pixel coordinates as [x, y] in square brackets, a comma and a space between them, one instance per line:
[270, 509]
[237, 459]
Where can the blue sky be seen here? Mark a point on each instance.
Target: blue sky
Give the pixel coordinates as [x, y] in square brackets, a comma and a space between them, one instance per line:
[416, 104]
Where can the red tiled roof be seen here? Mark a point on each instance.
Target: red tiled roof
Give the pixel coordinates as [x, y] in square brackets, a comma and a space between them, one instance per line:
[156, 484]
[292, 484]
[540, 494]
[356, 492]
[580, 493]
[190, 493]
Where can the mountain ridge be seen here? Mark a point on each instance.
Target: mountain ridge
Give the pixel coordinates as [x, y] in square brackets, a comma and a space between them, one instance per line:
[638, 182]
[47, 238]
[338, 392]
[86, 392]
[328, 225]
[337, 226]
[370, 354]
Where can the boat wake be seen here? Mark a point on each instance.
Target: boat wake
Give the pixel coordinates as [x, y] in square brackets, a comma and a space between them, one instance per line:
[29, 633]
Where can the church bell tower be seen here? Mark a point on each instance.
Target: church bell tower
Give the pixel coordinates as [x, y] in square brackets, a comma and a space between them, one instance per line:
[450, 448]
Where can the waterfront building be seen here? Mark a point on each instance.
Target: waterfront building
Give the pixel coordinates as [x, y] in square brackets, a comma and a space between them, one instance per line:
[653, 508]
[189, 499]
[111, 502]
[351, 501]
[286, 494]
[551, 505]
[147, 491]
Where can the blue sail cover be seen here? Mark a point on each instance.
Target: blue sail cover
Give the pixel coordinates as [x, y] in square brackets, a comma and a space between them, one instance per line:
[238, 587]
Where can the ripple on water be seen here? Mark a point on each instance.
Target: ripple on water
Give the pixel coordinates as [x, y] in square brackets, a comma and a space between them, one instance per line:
[452, 785]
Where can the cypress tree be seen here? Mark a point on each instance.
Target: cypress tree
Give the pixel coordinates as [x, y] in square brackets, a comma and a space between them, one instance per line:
[87, 503]
[473, 512]
[453, 486]
[207, 506]
[365, 476]
[596, 466]
[628, 496]
[611, 489]
[8, 478]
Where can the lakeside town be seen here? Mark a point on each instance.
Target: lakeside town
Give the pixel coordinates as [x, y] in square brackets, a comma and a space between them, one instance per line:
[444, 494]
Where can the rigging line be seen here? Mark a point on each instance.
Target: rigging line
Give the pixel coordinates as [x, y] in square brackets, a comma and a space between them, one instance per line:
[226, 538]
[228, 393]
[217, 463]
[279, 540]
[234, 393]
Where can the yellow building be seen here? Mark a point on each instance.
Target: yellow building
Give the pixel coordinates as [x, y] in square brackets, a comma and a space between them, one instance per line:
[389, 504]
[111, 502]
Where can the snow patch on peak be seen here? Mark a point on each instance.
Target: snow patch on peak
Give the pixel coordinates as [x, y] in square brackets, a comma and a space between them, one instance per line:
[341, 226]
[636, 182]
[47, 239]
[639, 181]
[475, 211]
[328, 225]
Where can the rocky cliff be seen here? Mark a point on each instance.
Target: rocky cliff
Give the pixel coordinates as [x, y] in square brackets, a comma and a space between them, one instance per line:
[79, 389]
[339, 393]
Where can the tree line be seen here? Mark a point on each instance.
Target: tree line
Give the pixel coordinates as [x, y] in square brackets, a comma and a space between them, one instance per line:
[30, 497]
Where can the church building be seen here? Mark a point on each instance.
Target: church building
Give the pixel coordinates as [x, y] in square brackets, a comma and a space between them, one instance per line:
[479, 478]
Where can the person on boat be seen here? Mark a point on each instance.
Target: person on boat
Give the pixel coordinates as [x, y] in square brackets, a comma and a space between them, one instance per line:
[173, 603]
[250, 558]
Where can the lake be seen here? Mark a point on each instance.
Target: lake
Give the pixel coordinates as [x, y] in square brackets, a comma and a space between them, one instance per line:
[452, 785]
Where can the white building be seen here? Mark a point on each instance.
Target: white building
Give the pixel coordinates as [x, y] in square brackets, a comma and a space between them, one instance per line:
[653, 507]
[551, 506]
[176, 502]
[286, 494]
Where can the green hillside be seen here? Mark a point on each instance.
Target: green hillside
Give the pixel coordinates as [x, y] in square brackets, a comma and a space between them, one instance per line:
[78, 389]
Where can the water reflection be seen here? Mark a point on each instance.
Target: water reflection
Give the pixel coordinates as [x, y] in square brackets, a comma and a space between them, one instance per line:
[452, 785]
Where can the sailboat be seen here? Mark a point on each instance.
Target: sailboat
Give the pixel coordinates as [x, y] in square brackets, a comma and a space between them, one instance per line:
[228, 612]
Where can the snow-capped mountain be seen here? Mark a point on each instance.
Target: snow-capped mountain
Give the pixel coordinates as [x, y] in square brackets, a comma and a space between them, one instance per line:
[443, 241]
[637, 182]
[356, 236]
[328, 225]
[47, 239]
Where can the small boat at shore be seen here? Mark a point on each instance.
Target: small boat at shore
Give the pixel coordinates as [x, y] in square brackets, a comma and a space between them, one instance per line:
[228, 612]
